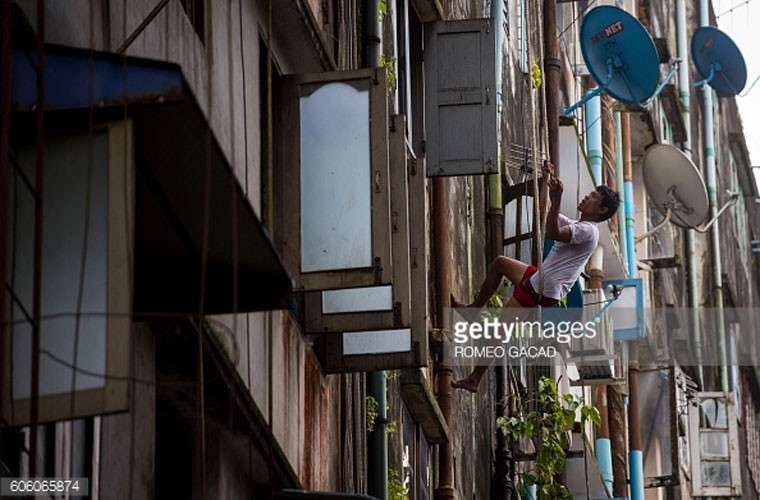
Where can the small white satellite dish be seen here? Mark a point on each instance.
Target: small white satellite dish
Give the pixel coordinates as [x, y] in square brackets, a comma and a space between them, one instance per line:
[677, 189]
[674, 183]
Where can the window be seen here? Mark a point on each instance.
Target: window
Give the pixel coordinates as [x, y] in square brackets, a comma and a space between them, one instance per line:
[714, 446]
[86, 299]
[518, 223]
[346, 184]
[666, 129]
[410, 68]
[334, 185]
[740, 211]
[415, 467]
[752, 430]
[522, 35]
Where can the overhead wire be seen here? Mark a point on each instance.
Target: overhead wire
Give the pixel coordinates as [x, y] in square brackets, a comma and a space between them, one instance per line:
[745, 2]
[575, 19]
[127, 222]
[205, 251]
[38, 234]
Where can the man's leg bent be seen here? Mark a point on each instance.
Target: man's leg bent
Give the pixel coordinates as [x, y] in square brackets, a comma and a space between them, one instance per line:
[501, 267]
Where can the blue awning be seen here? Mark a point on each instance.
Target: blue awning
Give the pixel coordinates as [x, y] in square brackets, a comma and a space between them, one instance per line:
[176, 159]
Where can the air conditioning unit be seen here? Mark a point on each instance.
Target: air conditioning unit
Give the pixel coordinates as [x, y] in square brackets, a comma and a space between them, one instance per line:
[594, 356]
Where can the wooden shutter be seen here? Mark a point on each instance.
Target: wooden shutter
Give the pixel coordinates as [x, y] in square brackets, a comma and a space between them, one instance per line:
[461, 101]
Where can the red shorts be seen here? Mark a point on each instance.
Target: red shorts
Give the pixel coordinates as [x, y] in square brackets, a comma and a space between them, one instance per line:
[526, 296]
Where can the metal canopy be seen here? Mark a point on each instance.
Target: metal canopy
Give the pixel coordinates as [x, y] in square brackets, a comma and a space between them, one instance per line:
[177, 158]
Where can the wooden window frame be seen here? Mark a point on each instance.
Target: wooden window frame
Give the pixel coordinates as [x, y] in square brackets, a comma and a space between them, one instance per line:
[113, 396]
[289, 185]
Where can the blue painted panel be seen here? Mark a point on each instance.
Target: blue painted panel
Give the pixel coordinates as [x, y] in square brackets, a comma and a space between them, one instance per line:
[77, 78]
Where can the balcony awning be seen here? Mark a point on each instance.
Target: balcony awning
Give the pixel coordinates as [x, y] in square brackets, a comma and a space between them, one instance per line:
[177, 159]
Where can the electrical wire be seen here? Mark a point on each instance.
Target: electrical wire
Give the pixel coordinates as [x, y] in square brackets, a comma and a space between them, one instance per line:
[575, 20]
[745, 2]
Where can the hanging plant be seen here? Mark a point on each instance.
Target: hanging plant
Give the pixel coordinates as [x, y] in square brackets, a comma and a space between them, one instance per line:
[549, 427]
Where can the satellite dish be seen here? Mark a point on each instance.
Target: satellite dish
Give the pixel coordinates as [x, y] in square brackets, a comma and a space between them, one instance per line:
[675, 186]
[621, 57]
[719, 61]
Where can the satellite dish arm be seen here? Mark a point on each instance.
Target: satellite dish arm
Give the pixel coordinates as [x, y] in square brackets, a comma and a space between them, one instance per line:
[668, 215]
[708, 79]
[593, 93]
[673, 67]
[607, 303]
[731, 201]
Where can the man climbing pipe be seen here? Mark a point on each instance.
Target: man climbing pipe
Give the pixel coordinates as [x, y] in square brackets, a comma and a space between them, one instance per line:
[574, 242]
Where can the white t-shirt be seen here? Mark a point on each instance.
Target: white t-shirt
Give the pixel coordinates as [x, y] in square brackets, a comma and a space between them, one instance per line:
[566, 261]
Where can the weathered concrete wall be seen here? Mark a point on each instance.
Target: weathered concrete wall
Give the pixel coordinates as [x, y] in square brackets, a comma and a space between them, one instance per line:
[223, 74]
[127, 440]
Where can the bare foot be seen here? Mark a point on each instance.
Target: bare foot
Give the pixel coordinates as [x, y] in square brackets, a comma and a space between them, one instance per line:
[466, 311]
[466, 384]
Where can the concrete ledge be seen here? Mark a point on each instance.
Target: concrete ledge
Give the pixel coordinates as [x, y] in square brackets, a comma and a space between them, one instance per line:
[423, 406]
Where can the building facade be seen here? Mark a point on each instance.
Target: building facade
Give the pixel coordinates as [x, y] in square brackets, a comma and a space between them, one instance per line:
[232, 229]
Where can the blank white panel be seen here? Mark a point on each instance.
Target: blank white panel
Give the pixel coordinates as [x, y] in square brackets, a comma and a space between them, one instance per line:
[65, 216]
[371, 298]
[623, 312]
[335, 178]
[377, 342]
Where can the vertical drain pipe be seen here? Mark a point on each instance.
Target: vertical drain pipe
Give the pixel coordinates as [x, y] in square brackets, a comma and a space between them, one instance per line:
[614, 393]
[635, 456]
[594, 137]
[602, 445]
[684, 93]
[378, 460]
[620, 181]
[443, 370]
[502, 480]
[712, 192]
[630, 210]
[376, 381]
[552, 68]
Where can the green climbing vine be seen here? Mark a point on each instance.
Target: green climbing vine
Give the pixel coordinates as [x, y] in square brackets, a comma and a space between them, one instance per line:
[389, 63]
[548, 426]
[396, 490]
[372, 413]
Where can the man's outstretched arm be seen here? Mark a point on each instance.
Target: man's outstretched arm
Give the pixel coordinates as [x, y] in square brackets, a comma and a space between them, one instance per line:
[553, 229]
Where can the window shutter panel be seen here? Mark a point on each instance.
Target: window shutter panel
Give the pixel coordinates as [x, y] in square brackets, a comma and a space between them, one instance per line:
[461, 100]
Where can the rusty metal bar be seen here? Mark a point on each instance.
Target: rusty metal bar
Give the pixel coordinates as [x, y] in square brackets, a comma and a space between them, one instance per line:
[5, 182]
[443, 370]
[144, 24]
[552, 72]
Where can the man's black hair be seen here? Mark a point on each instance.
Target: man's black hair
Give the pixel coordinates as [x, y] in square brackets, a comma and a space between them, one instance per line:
[611, 200]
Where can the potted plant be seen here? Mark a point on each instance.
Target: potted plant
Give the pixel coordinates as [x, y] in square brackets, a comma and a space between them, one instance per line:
[548, 425]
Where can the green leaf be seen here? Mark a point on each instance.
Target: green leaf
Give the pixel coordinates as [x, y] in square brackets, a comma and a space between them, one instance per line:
[591, 413]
